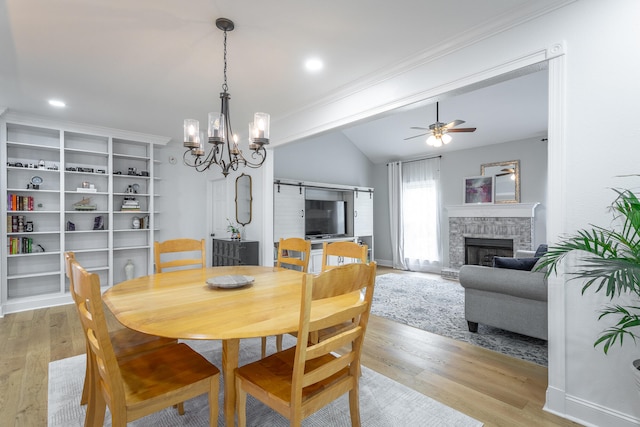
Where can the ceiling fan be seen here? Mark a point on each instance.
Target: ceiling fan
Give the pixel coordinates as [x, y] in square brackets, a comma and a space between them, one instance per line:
[439, 130]
[506, 171]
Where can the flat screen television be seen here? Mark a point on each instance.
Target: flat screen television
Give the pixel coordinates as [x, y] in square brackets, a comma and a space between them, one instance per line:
[325, 218]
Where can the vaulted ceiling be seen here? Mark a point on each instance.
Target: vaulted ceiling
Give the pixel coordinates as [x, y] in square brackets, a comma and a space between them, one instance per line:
[146, 65]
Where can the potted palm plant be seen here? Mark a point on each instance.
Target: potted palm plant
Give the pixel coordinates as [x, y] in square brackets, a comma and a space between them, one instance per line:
[609, 261]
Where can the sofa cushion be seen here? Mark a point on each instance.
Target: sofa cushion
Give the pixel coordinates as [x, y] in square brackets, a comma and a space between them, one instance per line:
[514, 263]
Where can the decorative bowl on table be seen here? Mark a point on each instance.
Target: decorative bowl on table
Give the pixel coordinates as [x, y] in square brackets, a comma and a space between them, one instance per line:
[229, 282]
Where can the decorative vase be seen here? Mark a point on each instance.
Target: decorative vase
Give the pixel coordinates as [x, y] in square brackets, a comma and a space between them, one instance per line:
[129, 270]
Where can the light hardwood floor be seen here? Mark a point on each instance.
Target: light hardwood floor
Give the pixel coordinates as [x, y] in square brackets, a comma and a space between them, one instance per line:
[488, 386]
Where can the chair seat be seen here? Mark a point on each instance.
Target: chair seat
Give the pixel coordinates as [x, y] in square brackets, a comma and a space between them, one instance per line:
[277, 370]
[158, 374]
[127, 342]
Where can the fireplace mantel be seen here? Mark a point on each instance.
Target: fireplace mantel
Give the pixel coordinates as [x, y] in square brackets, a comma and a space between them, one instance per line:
[503, 210]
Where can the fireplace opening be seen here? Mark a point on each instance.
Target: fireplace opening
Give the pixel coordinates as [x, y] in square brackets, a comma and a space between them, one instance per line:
[480, 251]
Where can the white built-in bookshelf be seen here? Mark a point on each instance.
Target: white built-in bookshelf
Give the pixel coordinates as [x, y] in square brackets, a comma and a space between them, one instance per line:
[64, 188]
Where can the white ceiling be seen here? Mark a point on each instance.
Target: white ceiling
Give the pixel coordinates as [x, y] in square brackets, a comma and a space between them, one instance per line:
[145, 65]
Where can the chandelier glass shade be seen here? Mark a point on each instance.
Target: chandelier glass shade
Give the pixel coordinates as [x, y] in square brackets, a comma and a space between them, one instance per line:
[221, 142]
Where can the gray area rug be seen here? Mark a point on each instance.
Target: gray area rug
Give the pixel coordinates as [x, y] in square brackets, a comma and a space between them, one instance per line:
[438, 306]
[383, 402]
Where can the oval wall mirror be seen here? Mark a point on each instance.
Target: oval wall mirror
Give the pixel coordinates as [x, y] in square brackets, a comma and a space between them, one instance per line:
[243, 199]
[507, 180]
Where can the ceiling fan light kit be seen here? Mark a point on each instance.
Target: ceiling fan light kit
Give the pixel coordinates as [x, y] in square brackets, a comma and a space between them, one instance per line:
[438, 140]
[220, 134]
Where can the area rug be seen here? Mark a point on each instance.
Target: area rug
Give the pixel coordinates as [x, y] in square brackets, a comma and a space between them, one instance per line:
[437, 306]
[383, 402]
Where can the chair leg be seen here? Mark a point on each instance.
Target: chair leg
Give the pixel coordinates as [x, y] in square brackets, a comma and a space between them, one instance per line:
[241, 404]
[180, 407]
[96, 409]
[264, 347]
[279, 343]
[88, 377]
[354, 406]
[213, 401]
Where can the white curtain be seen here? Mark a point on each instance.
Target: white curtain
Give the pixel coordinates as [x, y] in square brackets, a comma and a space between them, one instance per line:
[414, 189]
[394, 173]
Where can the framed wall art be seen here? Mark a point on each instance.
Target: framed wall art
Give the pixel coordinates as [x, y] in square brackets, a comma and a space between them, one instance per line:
[478, 189]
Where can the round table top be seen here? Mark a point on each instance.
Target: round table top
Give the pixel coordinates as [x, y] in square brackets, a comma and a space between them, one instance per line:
[180, 304]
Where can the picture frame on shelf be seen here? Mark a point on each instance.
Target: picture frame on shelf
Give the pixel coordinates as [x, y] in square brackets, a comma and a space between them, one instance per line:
[478, 190]
[98, 223]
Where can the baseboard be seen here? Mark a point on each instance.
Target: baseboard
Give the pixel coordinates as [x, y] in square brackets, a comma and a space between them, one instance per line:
[384, 263]
[584, 412]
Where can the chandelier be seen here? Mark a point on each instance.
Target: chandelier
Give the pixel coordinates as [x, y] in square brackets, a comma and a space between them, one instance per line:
[224, 150]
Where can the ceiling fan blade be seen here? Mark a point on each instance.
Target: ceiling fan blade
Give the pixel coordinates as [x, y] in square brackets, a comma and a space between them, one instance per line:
[416, 127]
[461, 130]
[453, 123]
[416, 136]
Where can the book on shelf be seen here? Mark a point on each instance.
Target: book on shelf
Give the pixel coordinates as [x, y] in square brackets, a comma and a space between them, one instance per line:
[20, 245]
[144, 222]
[130, 204]
[19, 203]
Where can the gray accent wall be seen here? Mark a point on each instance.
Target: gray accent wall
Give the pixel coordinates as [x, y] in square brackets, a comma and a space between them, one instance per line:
[330, 158]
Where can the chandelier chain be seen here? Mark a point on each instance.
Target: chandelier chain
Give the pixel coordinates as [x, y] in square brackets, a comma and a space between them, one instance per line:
[225, 87]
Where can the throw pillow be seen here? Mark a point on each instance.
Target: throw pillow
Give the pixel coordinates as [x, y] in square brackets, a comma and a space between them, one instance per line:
[542, 249]
[514, 263]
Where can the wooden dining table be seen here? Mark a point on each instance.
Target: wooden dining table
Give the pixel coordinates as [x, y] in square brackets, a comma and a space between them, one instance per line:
[182, 305]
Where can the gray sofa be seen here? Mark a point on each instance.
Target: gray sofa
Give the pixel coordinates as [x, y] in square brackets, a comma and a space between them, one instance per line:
[514, 300]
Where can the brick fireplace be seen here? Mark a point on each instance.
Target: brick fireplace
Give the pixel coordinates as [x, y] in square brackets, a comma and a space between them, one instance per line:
[505, 222]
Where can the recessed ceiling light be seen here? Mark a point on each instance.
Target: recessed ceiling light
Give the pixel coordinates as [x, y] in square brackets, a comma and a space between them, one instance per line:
[314, 64]
[57, 103]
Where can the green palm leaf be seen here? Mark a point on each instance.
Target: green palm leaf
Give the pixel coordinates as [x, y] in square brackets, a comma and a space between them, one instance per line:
[609, 260]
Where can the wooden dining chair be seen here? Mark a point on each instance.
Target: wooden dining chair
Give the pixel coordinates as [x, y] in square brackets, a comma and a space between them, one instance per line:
[303, 379]
[126, 342]
[335, 254]
[140, 385]
[293, 253]
[342, 250]
[176, 246]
